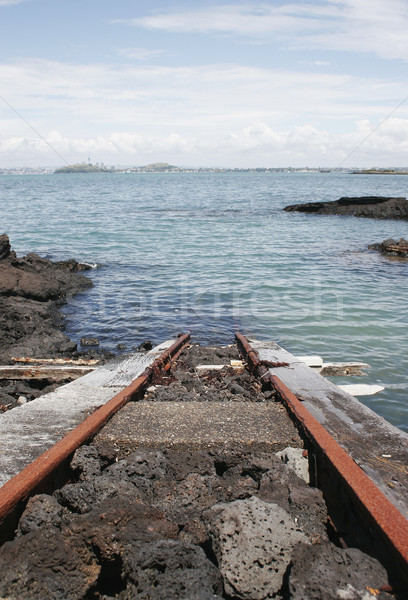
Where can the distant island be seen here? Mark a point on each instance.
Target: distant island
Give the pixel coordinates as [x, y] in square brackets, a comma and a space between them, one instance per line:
[83, 168]
[161, 167]
[379, 172]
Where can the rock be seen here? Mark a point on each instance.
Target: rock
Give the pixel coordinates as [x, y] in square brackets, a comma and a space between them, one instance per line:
[40, 510]
[235, 388]
[253, 543]
[304, 503]
[86, 463]
[326, 572]
[21, 400]
[390, 247]
[73, 266]
[83, 496]
[141, 468]
[28, 284]
[119, 523]
[184, 500]
[144, 346]
[194, 532]
[31, 292]
[181, 463]
[47, 565]
[5, 247]
[88, 341]
[121, 346]
[375, 207]
[170, 570]
[294, 459]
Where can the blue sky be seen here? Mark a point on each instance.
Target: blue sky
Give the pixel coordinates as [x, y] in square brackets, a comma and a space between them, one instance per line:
[204, 83]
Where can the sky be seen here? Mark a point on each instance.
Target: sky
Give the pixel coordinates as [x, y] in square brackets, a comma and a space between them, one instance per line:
[204, 83]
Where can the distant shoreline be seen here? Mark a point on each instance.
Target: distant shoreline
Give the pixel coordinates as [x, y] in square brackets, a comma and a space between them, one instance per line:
[84, 168]
[379, 172]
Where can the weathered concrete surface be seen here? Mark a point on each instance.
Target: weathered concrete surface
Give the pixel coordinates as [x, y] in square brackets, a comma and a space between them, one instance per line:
[374, 207]
[378, 447]
[194, 425]
[29, 430]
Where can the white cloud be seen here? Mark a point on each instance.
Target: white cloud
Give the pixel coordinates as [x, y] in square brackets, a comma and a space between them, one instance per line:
[225, 114]
[257, 144]
[189, 96]
[368, 26]
[138, 53]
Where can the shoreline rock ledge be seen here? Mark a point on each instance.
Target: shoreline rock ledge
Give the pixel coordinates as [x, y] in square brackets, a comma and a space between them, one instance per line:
[32, 289]
[372, 207]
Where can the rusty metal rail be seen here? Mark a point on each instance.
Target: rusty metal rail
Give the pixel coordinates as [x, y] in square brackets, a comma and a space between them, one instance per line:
[388, 527]
[17, 490]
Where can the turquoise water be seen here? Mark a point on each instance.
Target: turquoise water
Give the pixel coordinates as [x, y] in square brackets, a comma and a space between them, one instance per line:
[210, 253]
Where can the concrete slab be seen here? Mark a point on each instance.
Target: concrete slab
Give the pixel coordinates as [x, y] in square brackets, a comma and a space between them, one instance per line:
[198, 425]
[31, 429]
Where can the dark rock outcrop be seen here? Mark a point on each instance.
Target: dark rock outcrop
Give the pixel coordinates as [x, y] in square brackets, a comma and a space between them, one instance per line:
[373, 207]
[4, 246]
[32, 290]
[391, 247]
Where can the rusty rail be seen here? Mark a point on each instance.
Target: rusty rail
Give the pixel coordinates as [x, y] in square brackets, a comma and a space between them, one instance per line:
[18, 489]
[380, 514]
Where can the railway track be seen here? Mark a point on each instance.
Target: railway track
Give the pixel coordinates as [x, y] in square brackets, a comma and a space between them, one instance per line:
[178, 470]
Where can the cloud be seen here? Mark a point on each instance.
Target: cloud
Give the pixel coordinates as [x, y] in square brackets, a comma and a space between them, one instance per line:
[258, 144]
[138, 53]
[367, 26]
[222, 113]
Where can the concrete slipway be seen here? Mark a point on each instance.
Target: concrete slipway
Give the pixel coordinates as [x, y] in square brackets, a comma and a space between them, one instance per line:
[380, 449]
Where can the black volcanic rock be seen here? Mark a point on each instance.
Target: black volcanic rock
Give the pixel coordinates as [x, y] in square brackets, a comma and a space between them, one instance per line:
[31, 292]
[374, 207]
[4, 246]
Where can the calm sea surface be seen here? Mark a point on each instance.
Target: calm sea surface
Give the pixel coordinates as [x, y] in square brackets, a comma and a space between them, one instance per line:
[210, 253]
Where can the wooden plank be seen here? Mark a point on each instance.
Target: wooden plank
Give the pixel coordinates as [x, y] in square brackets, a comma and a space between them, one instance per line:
[56, 361]
[51, 372]
[378, 447]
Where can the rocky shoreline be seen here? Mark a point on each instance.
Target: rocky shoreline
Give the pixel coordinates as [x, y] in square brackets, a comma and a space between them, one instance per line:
[372, 207]
[32, 291]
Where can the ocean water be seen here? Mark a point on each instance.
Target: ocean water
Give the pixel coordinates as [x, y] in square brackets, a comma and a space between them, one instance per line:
[212, 253]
